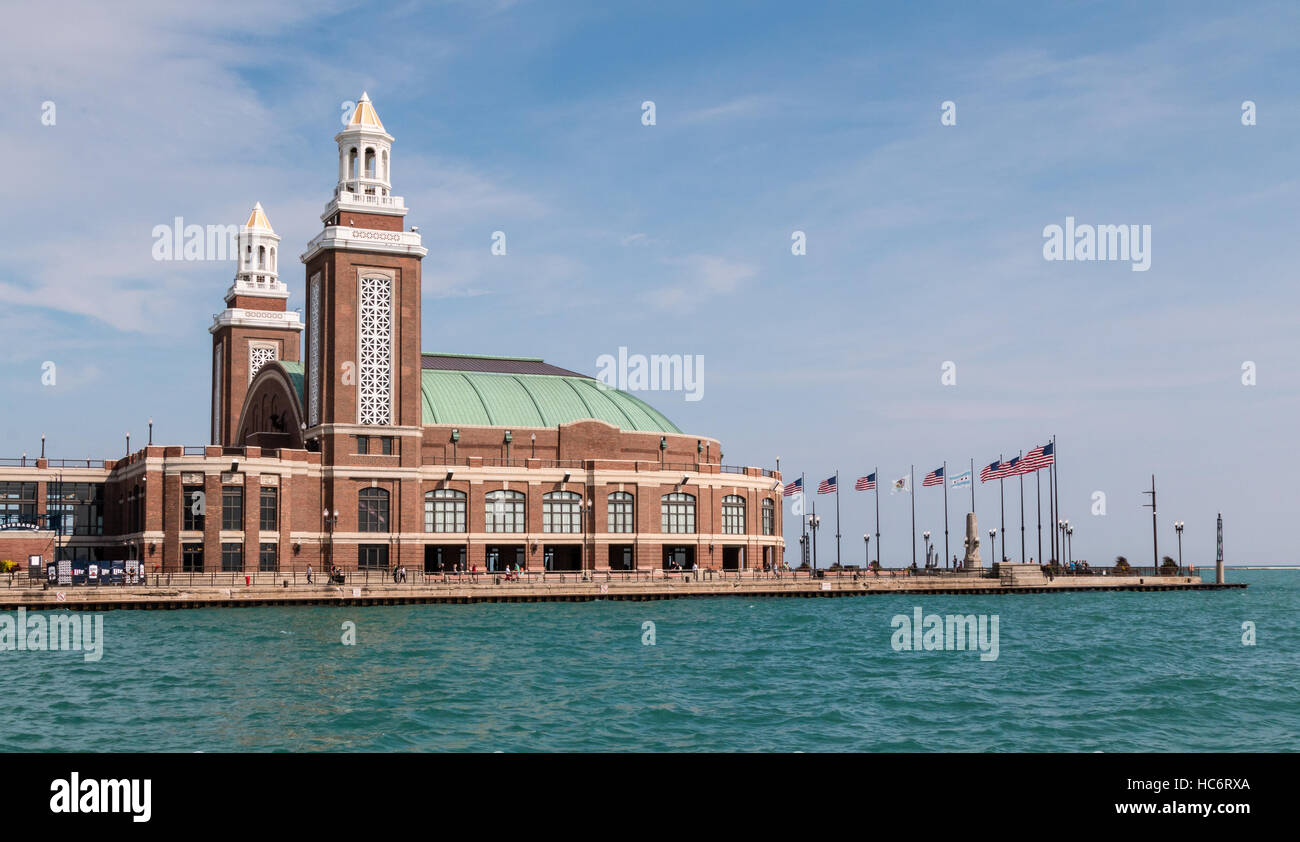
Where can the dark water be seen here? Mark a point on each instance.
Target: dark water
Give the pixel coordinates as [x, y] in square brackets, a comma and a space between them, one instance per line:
[1076, 672]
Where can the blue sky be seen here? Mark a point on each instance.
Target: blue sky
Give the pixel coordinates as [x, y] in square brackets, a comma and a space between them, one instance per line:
[924, 241]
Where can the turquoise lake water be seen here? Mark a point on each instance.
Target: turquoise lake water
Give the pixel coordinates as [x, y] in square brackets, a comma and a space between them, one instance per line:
[1075, 672]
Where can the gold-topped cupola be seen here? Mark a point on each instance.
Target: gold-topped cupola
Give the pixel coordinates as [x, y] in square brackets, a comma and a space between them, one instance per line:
[365, 160]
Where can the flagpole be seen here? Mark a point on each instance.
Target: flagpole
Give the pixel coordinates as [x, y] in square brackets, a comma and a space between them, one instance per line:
[1051, 505]
[945, 513]
[1038, 510]
[972, 485]
[1056, 508]
[1002, 496]
[837, 517]
[911, 489]
[1022, 508]
[876, 474]
[803, 518]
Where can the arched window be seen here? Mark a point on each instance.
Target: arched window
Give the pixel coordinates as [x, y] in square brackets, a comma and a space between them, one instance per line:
[561, 512]
[678, 511]
[248, 257]
[370, 163]
[273, 260]
[372, 510]
[621, 512]
[733, 515]
[384, 177]
[261, 257]
[353, 171]
[504, 510]
[444, 510]
[769, 517]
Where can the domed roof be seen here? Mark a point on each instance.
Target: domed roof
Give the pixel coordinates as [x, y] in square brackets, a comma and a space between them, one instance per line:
[257, 219]
[364, 115]
[525, 392]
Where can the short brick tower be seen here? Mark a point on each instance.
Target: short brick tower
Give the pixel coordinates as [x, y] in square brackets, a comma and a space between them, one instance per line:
[255, 328]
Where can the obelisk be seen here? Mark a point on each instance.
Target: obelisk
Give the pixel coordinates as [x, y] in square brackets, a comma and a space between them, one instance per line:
[1218, 556]
[972, 560]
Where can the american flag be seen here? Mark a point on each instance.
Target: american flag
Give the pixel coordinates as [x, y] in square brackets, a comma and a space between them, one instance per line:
[795, 487]
[865, 483]
[1012, 467]
[935, 477]
[990, 471]
[828, 485]
[1039, 458]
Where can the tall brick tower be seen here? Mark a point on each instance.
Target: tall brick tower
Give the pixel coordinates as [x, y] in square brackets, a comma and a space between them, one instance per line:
[255, 327]
[363, 298]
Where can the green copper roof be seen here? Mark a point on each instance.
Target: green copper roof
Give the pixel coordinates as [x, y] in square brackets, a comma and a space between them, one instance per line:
[296, 377]
[531, 400]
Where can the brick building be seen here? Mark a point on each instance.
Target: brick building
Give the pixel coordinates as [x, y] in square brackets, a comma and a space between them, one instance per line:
[352, 446]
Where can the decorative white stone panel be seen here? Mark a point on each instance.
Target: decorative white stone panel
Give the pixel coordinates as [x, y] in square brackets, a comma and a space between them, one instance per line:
[259, 354]
[216, 395]
[314, 355]
[375, 341]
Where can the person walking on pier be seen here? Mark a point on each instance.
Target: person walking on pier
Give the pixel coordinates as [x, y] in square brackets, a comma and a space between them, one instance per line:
[309, 574]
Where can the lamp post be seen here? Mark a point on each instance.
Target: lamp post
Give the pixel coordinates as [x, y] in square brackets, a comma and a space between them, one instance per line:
[1178, 527]
[1069, 537]
[533, 438]
[330, 521]
[866, 548]
[926, 536]
[814, 522]
[993, 544]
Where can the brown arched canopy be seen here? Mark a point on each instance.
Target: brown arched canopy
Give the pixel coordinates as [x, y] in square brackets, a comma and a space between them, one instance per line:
[272, 414]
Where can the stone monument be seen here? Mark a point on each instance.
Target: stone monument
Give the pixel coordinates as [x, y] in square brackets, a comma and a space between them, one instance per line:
[972, 560]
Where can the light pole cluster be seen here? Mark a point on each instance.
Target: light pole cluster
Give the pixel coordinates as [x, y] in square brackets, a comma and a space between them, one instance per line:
[866, 550]
[1178, 527]
[814, 523]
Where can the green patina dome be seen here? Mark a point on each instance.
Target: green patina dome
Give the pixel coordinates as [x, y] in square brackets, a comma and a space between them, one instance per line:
[515, 392]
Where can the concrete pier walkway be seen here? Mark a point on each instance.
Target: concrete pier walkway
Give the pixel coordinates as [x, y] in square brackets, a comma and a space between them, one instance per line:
[273, 589]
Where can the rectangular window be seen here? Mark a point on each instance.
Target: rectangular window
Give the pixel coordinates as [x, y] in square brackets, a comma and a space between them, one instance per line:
[678, 511]
[232, 558]
[620, 512]
[192, 558]
[270, 511]
[504, 511]
[561, 513]
[363, 444]
[232, 507]
[194, 503]
[268, 558]
[17, 502]
[733, 515]
[77, 507]
[386, 445]
[444, 511]
[372, 556]
[768, 515]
